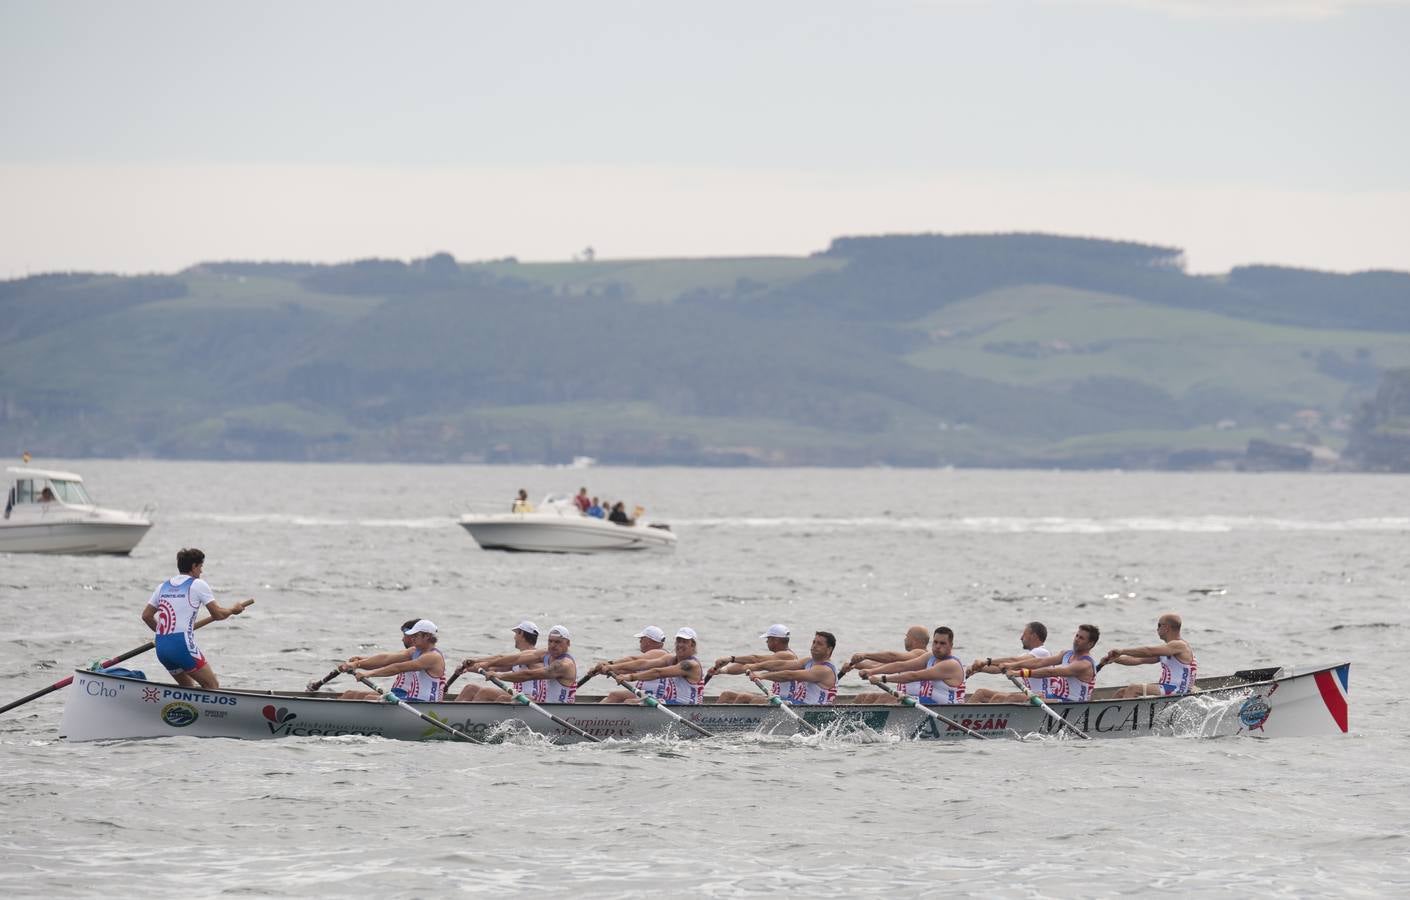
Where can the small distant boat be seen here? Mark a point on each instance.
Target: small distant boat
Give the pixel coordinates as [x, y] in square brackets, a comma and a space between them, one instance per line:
[50, 512]
[557, 526]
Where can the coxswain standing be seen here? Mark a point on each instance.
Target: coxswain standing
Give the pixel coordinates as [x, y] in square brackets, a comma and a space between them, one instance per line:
[553, 680]
[815, 684]
[1178, 666]
[935, 680]
[171, 614]
[776, 640]
[1072, 677]
[682, 675]
[652, 643]
[420, 668]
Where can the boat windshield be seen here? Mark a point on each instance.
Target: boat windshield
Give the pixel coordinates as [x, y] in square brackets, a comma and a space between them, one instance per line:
[70, 492]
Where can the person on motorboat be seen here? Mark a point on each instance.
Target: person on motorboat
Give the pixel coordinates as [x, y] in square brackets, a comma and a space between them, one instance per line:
[582, 500]
[619, 514]
[652, 643]
[596, 510]
[935, 680]
[521, 503]
[1072, 677]
[46, 495]
[682, 675]
[171, 614]
[553, 680]
[814, 684]
[420, 667]
[1031, 639]
[1178, 666]
[526, 639]
[776, 640]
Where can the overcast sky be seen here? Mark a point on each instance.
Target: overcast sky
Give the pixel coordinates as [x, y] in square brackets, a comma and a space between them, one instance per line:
[145, 136]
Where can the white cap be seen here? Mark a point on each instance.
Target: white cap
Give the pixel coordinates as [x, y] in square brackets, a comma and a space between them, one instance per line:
[775, 631]
[422, 626]
[560, 631]
[651, 631]
[527, 627]
[687, 633]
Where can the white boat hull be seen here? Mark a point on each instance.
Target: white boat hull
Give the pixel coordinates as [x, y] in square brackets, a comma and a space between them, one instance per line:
[1285, 704]
[76, 537]
[553, 533]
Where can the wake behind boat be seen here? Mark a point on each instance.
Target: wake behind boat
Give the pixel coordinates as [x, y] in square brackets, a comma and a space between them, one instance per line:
[1269, 702]
[50, 512]
[559, 526]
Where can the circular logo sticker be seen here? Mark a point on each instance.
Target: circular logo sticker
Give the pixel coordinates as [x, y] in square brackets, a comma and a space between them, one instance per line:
[1254, 712]
[179, 715]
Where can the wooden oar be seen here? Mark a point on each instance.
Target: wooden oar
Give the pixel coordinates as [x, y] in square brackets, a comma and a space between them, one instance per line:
[389, 697]
[908, 700]
[112, 662]
[1037, 701]
[313, 686]
[519, 698]
[649, 700]
[776, 700]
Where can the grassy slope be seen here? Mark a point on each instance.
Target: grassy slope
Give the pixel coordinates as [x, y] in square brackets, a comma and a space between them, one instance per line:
[663, 280]
[1175, 350]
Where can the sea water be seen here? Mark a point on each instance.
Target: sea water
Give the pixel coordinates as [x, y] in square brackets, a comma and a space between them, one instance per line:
[1266, 569]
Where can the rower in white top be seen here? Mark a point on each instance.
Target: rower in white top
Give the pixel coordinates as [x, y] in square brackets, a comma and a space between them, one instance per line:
[555, 677]
[526, 638]
[814, 684]
[420, 668]
[917, 646]
[776, 640]
[1072, 677]
[934, 680]
[652, 643]
[1178, 666]
[681, 674]
[1034, 635]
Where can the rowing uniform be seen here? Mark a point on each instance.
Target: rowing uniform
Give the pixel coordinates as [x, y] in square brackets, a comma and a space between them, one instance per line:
[177, 601]
[1067, 688]
[531, 689]
[936, 692]
[551, 690]
[680, 691]
[1175, 676]
[810, 693]
[419, 685]
[1038, 684]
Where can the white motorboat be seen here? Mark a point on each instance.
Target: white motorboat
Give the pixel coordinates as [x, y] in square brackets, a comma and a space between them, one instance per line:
[50, 512]
[557, 526]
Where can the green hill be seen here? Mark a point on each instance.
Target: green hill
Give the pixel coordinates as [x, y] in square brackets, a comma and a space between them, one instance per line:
[906, 350]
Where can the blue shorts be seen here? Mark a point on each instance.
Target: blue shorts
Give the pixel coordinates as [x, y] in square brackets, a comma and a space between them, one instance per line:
[400, 694]
[676, 703]
[173, 653]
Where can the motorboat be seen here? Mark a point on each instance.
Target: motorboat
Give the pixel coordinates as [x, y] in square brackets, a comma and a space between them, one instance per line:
[557, 526]
[50, 512]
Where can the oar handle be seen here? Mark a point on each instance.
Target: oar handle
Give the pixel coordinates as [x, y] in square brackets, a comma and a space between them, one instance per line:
[648, 700]
[436, 723]
[784, 705]
[908, 700]
[519, 697]
[1037, 701]
[315, 685]
[64, 682]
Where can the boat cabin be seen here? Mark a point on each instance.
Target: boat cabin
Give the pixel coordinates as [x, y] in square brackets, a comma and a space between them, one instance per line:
[31, 489]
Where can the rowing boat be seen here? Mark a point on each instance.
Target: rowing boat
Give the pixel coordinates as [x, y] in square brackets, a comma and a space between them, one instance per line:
[1272, 702]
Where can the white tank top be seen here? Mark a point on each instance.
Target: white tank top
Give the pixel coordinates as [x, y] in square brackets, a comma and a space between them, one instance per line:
[177, 605]
[422, 685]
[681, 690]
[531, 689]
[810, 693]
[1038, 684]
[1175, 676]
[551, 690]
[936, 692]
[1066, 688]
